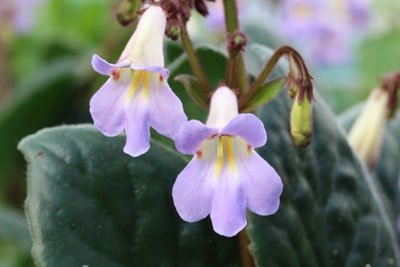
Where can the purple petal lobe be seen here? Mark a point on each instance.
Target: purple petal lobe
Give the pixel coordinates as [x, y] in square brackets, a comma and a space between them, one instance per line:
[228, 211]
[158, 69]
[249, 127]
[166, 110]
[192, 191]
[107, 106]
[191, 135]
[137, 127]
[261, 184]
[103, 67]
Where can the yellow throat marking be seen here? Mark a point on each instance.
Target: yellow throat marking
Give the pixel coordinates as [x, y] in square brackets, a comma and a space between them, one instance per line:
[140, 76]
[225, 155]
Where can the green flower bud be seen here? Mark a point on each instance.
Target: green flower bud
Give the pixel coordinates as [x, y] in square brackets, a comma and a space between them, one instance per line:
[301, 126]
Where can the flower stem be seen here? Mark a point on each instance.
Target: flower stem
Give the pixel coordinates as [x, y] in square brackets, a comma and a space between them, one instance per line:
[194, 61]
[266, 71]
[247, 258]
[236, 75]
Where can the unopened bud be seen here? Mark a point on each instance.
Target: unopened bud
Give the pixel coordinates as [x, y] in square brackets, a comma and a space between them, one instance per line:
[366, 135]
[172, 31]
[236, 42]
[301, 126]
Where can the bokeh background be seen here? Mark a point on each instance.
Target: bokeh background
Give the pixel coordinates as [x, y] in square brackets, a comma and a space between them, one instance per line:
[46, 78]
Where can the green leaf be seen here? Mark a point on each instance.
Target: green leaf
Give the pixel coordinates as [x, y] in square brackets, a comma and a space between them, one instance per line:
[332, 213]
[214, 64]
[268, 91]
[90, 204]
[193, 89]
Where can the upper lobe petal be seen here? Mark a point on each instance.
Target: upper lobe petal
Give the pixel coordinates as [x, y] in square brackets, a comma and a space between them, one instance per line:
[191, 135]
[249, 127]
[103, 67]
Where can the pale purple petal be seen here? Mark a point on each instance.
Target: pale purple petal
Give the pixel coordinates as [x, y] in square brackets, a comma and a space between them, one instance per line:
[261, 183]
[137, 127]
[228, 211]
[158, 69]
[166, 110]
[191, 135]
[103, 67]
[107, 106]
[249, 127]
[192, 191]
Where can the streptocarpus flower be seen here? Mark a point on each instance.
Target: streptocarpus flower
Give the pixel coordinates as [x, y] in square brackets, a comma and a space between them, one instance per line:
[137, 95]
[226, 175]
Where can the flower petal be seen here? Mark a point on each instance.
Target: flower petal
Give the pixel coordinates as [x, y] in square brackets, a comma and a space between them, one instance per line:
[137, 127]
[249, 127]
[145, 47]
[228, 211]
[192, 191]
[158, 69]
[191, 135]
[103, 67]
[261, 183]
[166, 110]
[107, 106]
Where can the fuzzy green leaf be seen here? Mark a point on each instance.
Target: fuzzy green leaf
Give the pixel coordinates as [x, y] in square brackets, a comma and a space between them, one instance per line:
[332, 213]
[267, 92]
[193, 89]
[90, 204]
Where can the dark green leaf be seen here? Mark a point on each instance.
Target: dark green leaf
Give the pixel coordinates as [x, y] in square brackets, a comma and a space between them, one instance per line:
[90, 204]
[387, 170]
[193, 89]
[214, 64]
[332, 211]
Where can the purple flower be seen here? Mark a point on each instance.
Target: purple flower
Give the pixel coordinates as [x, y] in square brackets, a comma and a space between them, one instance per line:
[226, 175]
[137, 95]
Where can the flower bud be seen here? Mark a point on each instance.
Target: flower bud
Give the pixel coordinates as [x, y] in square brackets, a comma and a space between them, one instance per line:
[301, 127]
[366, 135]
